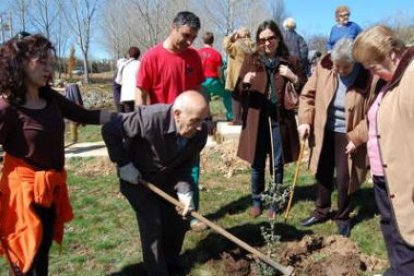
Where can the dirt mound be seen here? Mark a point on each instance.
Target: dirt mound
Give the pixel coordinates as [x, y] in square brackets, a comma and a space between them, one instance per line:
[90, 167]
[236, 263]
[222, 157]
[313, 255]
[332, 255]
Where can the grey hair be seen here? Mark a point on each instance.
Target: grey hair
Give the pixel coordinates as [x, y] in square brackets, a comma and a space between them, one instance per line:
[187, 18]
[289, 24]
[342, 50]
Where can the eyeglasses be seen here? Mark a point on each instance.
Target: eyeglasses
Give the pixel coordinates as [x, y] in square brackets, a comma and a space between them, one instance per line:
[267, 39]
[344, 14]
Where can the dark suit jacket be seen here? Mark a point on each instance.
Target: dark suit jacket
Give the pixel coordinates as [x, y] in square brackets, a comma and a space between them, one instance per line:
[148, 138]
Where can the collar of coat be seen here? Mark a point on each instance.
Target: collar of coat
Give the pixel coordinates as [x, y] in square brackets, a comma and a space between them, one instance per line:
[361, 83]
[402, 66]
[257, 62]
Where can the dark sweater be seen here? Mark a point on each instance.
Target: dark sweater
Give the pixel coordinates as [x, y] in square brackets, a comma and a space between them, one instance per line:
[37, 135]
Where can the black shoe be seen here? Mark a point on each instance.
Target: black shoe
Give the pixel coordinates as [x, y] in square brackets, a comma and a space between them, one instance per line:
[311, 221]
[344, 228]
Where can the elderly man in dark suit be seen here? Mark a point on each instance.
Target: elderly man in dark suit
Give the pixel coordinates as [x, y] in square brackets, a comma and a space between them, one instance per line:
[164, 140]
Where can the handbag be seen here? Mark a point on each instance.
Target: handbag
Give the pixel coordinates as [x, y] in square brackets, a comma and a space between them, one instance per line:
[291, 97]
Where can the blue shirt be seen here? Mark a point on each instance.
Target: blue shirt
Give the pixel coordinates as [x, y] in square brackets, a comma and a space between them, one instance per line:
[349, 30]
[336, 116]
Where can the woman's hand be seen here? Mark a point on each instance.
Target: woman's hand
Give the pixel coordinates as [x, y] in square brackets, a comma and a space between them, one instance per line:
[350, 148]
[303, 130]
[287, 73]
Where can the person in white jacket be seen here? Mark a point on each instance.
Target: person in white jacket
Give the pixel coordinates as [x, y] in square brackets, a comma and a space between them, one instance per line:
[128, 75]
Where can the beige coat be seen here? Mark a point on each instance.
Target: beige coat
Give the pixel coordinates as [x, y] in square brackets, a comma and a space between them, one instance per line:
[253, 101]
[236, 51]
[395, 124]
[314, 103]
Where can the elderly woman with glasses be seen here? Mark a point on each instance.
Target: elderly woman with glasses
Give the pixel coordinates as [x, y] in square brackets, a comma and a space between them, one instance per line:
[268, 127]
[34, 202]
[343, 28]
[390, 142]
[332, 110]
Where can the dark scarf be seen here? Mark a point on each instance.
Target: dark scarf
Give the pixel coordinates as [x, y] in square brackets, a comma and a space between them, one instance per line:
[271, 65]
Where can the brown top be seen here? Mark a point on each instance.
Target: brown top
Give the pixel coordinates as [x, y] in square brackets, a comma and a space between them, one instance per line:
[37, 135]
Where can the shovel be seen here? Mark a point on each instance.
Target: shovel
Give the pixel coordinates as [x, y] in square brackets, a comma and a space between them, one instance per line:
[285, 270]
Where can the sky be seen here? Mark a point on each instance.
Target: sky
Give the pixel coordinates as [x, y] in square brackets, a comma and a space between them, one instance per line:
[317, 16]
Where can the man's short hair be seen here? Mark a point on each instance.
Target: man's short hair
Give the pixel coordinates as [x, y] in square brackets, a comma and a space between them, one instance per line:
[208, 38]
[187, 18]
[134, 52]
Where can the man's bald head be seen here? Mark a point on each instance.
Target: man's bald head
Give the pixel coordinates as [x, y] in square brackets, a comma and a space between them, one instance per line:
[190, 109]
[190, 100]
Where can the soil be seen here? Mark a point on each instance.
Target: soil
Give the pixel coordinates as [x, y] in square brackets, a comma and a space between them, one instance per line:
[313, 255]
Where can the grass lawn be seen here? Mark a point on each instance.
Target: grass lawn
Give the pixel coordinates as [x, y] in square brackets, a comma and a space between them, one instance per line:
[103, 238]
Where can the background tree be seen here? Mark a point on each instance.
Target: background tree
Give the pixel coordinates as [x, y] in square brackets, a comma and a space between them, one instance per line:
[79, 15]
[277, 10]
[20, 8]
[318, 42]
[43, 15]
[71, 62]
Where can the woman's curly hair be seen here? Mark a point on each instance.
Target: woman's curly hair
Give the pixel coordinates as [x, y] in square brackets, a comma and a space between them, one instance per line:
[13, 54]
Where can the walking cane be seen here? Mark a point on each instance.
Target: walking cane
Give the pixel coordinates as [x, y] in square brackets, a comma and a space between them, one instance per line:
[295, 177]
[285, 270]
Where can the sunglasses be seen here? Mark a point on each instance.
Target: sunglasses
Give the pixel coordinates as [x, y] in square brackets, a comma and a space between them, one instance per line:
[267, 39]
[343, 15]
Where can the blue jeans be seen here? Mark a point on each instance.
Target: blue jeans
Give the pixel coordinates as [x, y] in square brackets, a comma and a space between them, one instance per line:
[264, 147]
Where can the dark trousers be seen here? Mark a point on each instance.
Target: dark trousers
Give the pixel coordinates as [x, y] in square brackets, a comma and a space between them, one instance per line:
[127, 106]
[116, 93]
[40, 263]
[333, 158]
[263, 148]
[161, 229]
[236, 108]
[400, 255]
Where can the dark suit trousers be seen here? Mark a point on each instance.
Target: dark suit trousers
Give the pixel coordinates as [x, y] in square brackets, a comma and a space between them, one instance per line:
[161, 229]
[333, 158]
[400, 255]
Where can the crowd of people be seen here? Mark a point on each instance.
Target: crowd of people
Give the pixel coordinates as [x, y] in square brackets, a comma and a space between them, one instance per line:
[355, 109]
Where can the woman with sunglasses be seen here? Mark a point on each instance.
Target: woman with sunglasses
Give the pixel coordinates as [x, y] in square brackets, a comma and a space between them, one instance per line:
[34, 202]
[343, 28]
[268, 127]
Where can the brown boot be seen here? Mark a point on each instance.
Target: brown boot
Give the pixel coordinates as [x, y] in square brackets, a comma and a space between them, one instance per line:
[255, 211]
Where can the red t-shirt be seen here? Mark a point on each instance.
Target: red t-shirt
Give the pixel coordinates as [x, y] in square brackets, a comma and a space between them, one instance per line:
[211, 60]
[165, 74]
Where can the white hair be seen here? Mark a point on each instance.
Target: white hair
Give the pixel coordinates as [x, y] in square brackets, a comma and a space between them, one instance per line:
[289, 24]
[342, 50]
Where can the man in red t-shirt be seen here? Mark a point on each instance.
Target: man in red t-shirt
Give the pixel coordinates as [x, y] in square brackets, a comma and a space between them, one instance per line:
[212, 63]
[172, 66]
